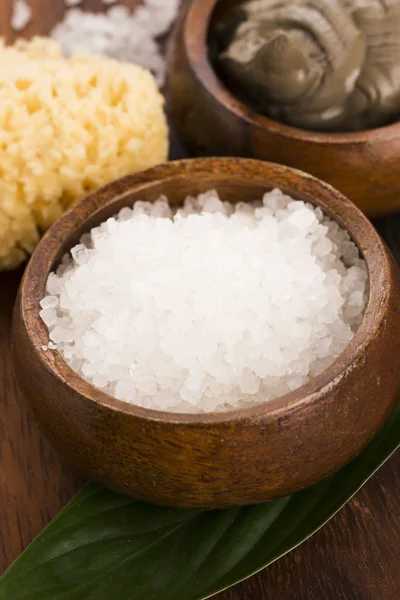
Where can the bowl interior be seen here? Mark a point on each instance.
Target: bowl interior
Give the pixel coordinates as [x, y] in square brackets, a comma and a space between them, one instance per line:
[235, 180]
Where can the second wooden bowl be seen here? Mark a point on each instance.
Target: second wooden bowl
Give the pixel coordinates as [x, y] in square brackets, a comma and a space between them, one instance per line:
[224, 459]
[365, 165]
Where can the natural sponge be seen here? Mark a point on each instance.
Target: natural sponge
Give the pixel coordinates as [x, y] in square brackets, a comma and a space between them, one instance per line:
[67, 126]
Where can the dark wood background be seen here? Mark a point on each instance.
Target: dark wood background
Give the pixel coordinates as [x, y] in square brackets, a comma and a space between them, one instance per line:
[355, 557]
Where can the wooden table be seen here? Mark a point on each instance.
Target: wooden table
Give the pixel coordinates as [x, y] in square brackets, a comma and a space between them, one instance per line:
[355, 557]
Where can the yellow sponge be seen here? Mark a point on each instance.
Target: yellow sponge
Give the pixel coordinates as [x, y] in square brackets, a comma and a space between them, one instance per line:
[67, 127]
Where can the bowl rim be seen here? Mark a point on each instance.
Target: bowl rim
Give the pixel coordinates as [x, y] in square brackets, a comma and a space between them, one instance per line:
[198, 20]
[361, 230]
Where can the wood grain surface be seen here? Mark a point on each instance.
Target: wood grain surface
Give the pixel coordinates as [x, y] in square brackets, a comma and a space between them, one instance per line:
[355, 557]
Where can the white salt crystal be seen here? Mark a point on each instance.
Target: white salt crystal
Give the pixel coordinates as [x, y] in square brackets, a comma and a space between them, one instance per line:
[48, 316]
[72, 2]
[21, 15]
[208, 308]
[53, 285]
[61, 335]
[125, 214]
[86, 240]
[79, 254]
[99, 381]
[295, 382]
[323, 247]
[119, 13]
[125, 390]
[120, 34]
[302, 218]
[49, 302]
[161, 208]
[249, 383]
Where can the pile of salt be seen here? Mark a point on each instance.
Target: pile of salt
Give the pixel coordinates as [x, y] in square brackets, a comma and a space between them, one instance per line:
[213, 308]
[120, 34]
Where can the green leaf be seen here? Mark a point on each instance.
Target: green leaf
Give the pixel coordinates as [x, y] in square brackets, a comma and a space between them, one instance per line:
[104, 546]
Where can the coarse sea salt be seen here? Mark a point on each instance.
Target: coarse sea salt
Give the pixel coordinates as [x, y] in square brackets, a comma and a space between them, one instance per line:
[70, 3]
[21, 15]
[212, 307]
[119, 33]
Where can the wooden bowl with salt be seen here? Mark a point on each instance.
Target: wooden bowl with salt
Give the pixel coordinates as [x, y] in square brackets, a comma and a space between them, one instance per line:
[364, 165]
[215, 459]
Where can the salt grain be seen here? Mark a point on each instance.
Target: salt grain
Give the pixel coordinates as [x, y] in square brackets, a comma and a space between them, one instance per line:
[72, 2]
[49, 302]
[120, 34]
[21, 15]
[216, 307]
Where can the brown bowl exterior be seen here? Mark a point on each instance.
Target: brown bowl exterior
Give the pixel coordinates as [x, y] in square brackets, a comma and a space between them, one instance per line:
[225, 459]
[365, 166]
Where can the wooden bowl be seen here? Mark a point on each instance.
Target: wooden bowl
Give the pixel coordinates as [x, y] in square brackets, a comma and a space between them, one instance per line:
[214, 460]
[365, 165]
